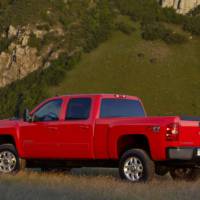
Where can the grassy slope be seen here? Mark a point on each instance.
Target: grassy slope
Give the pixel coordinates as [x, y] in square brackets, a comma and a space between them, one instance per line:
[169, 85]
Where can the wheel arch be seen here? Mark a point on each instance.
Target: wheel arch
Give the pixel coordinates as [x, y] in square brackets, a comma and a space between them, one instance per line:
[130, 141]
[7, 139]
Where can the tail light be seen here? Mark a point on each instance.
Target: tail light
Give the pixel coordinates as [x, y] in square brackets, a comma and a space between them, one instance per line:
[172, 132]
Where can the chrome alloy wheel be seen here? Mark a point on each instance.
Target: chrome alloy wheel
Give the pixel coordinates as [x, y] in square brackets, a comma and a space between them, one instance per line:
[133, 169]
[8, 162]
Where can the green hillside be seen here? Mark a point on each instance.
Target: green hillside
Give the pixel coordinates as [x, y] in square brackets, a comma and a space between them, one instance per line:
[131, 47]
[165, 77]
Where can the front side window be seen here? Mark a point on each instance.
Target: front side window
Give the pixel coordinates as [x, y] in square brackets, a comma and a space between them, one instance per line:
[78, 109]
[49, 111]
[111, 108]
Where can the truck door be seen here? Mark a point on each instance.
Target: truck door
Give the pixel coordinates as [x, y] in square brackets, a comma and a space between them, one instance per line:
[40, 137]
[76, 131]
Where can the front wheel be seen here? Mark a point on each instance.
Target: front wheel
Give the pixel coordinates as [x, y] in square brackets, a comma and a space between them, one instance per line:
[9, 160]
[136, 166]
[187, 174]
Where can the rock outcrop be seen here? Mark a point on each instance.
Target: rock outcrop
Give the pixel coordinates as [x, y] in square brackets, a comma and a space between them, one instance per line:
[19, 58]
[17, 64]
[182, 6]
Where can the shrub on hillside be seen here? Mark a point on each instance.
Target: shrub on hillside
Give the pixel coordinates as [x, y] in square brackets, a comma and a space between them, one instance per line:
[149, 10]
[195, 12]
[55, 73]
[39, 43]
[35, 42]
[170, 15]
[5, 3]
[174, 38]
[155, 31]
[125, 28]
[63, 21]
[4, 44]
[139, 9]
[97, 24]
[192, 24]
[44, 27]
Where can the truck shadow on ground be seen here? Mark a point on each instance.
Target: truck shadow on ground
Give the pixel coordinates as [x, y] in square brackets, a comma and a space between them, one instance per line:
[92, 172]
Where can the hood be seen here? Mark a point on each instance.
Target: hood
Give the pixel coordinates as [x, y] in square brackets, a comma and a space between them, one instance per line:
[9, 123]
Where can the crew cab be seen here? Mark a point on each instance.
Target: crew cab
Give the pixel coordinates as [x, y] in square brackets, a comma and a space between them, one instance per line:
[101, 130]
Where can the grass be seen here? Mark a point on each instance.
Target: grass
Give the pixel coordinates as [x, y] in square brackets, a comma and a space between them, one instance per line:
[91, 184]
[165, 76]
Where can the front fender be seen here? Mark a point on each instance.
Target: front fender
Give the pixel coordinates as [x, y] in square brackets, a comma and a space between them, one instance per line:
[11, 128]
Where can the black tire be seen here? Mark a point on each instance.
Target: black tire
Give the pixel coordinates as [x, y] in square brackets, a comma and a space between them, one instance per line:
[143, 158]
[187, 174]
[15, 165]
[161, 170]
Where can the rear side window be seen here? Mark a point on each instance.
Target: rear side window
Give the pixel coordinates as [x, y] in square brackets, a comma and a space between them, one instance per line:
[78, 109]
[111, 108]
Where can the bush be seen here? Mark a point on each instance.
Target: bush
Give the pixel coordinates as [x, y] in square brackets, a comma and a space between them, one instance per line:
[125, 28]
[174, 38]
[192, 24]
[39, 43]
[5, 3]
[97, 25]
[35, 42]
[149, 10]
[139, 9]
[63, 21]
[4, 44]
[155, 31]
[55, 73]
[170, 15]
[195, 11]
[44, 27]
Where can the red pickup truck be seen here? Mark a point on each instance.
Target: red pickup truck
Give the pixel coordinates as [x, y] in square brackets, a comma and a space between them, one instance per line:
[101, 130]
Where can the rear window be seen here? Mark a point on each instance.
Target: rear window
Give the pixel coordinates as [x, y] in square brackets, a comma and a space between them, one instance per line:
[111, 108]
[189, 118]
[78, 109]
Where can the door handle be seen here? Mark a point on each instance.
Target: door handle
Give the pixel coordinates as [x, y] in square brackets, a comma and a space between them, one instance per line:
[84, 126]
[53, 128]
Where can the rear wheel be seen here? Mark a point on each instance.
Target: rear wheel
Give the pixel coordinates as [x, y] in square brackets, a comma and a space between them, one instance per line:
[9, 160]
[161, 170]
[136, 166]
[187, 174]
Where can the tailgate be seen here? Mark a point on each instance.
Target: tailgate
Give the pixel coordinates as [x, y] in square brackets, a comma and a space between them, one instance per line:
[190, 131]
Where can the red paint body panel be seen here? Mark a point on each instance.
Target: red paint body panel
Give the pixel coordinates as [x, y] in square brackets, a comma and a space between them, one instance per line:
[94, 138]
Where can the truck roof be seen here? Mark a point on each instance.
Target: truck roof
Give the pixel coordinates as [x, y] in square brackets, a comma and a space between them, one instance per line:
[100, 95]
[104, 95]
